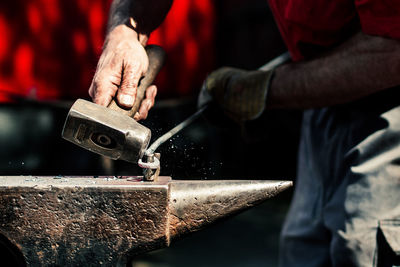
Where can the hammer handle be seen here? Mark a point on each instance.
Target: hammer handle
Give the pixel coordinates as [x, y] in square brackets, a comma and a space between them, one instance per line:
[156, 57]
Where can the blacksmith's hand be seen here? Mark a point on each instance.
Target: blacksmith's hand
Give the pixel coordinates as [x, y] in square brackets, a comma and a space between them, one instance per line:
[239, 93]
[121, 65]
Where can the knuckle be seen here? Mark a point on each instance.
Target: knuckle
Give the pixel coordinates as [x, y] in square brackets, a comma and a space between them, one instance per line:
[154, 93]
[148, 104]
[128, 86]
[151, 104]
[143, 114]
[91, 89]
[95, 85]
[151, 91]
[100, 89]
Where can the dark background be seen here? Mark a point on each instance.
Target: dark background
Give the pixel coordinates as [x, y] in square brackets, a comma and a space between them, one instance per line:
[245, 37]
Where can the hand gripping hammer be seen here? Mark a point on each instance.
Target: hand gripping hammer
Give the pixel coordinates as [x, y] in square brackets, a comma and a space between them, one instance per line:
[111, 131]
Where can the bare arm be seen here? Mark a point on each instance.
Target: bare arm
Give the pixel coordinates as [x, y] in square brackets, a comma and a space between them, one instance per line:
[123, 60]
[361, 66]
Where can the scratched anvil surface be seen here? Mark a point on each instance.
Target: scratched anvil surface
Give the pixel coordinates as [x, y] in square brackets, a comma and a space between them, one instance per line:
[107, 220]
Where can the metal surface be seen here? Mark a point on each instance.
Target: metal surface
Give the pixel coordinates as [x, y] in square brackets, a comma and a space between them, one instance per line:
[112, 131]
[151, 162]
[90, 221]
[105, 131]
[196, 204]
[151, 174]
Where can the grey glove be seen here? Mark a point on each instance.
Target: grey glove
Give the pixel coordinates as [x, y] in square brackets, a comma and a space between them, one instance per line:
[241, 94]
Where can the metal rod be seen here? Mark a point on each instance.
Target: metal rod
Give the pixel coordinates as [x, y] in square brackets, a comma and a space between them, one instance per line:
[276, 62]
[173, 131]
[270, 65]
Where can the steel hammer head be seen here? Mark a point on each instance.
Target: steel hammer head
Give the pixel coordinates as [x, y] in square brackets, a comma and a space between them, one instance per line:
[105, 131]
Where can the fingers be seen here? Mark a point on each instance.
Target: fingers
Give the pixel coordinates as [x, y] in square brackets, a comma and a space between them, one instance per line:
[113, 77]
[104, 86]
[219, 82]
[127, 92]
[147, 103]
[121, 65]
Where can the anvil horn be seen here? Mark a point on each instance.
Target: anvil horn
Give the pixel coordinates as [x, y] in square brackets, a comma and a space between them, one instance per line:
[196, 204]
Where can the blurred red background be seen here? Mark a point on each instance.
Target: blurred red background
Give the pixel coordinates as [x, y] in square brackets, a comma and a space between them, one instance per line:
[49, 48]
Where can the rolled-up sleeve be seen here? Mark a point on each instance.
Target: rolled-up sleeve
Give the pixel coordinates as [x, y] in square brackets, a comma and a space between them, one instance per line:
[379, 17]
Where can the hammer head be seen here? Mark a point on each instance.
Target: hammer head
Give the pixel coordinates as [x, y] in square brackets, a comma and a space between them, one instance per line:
[105, 131]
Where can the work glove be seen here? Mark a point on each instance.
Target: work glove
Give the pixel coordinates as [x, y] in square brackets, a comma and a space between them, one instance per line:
[239, 93]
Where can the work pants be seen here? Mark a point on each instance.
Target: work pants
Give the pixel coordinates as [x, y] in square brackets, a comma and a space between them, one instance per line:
[346, 206]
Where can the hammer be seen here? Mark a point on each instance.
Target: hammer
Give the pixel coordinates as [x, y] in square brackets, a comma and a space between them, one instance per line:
[111, 131]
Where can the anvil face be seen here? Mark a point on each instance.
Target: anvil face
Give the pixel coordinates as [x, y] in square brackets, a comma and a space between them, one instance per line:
[85, 221]
[105, 131]
[82, 221]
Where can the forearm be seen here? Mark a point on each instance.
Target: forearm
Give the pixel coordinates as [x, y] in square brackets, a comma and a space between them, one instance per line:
[361, 66]
[142, 16]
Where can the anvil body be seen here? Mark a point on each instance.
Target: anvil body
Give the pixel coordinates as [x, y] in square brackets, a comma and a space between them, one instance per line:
[86, 221]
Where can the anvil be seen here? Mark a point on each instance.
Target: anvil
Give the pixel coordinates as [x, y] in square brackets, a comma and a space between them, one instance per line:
[87, 221]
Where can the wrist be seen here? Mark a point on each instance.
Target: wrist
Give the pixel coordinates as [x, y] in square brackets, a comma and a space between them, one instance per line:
[142, 37]
[124, 32]
[277, 86]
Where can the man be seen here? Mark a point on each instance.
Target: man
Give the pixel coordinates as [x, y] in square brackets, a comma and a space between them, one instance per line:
[344, 74]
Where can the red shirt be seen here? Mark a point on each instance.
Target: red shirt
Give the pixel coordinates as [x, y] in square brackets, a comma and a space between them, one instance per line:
[309, 26]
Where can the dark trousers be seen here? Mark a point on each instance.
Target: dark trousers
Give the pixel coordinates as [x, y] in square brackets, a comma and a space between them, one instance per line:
[346, 206]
